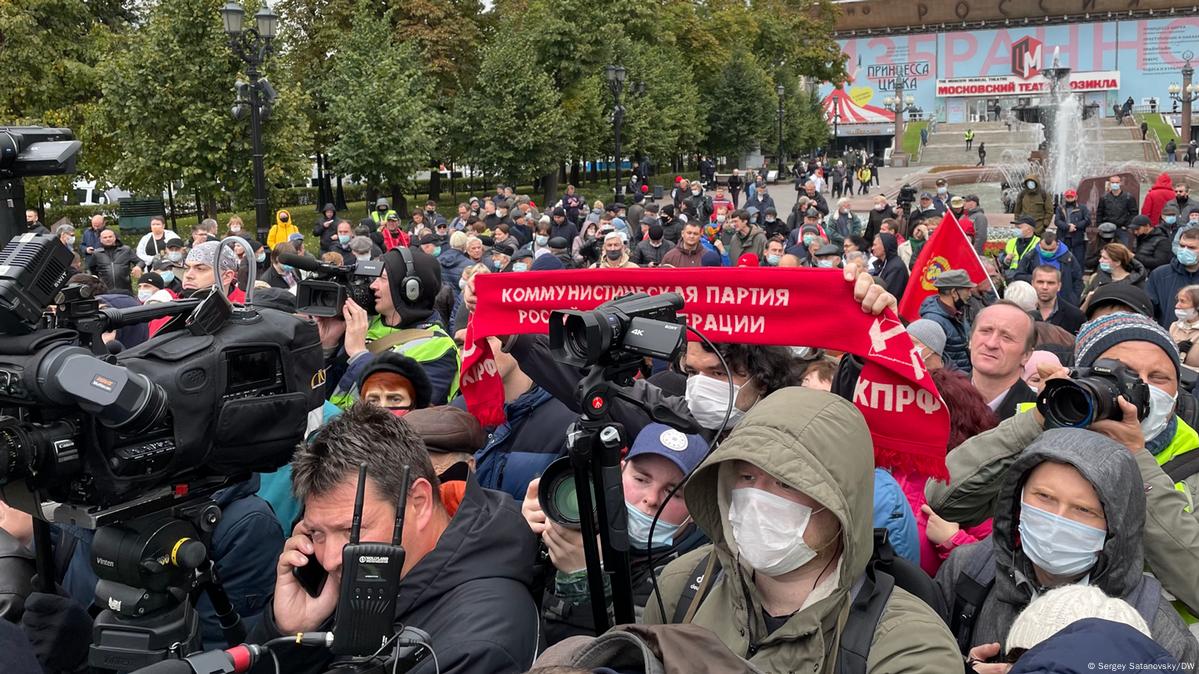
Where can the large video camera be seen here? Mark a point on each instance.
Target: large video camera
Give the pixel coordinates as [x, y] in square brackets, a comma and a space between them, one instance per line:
[90, 430]
[906, 197]
[1089, 395]
[325, 293]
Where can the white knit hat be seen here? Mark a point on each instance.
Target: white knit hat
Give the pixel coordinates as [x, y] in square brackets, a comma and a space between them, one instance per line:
[1055, 610]
[1022, 293]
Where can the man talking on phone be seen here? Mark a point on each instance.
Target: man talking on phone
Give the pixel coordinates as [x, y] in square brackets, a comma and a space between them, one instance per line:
[466, 580]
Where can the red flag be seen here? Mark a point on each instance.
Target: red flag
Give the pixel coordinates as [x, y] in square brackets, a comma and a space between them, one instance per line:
[792, 307]
[948, 248]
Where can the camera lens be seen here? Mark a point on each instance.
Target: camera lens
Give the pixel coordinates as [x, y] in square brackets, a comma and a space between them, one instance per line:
[559, 495]
[1070, 406]
[1070, 403]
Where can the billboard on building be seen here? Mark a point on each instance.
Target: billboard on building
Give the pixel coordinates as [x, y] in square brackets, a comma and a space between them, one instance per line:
[1109, 62]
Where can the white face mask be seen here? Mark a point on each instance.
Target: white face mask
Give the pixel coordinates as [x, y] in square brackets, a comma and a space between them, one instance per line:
[1161, 409]
[708, 401]
[143, 295]
[174, 257]
[768, 531]
[1185, 315]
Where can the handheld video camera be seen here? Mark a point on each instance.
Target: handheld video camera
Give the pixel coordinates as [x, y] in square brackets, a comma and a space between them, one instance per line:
[636, 326]
[1089, 395]
[906, 197]
[325, 293]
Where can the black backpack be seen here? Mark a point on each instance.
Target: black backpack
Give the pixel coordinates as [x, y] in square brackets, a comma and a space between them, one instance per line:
[971, 587]
[884, 572]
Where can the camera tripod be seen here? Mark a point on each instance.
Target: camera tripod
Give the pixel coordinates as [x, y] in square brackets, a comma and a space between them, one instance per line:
[152, 570]
[594, 443]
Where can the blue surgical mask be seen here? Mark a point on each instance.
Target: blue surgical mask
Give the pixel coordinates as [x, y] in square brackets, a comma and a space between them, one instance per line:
[1047, 254]
[639, 524]
[343, 239]
[1187, 257]
[167, 276]
[542, 239]
[824, 264]
[773, 260]
[1057, 544]
[520, 266]
[261, 258]
[288, 269]
[1169, 219]
[1106, 267]
[809, 239]
[436, 251]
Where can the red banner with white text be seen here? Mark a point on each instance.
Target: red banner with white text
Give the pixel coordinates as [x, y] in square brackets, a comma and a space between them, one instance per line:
[785, 307]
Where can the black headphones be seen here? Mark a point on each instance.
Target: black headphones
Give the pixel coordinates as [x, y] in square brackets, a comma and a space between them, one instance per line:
[410, 286]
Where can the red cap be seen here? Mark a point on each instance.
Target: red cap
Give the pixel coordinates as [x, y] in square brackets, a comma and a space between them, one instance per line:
[747, 260]
[1071, 193]
[678, 179]
[644, 189]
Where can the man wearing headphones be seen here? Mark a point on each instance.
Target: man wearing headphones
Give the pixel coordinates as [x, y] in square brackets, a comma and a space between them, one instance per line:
[405, 323]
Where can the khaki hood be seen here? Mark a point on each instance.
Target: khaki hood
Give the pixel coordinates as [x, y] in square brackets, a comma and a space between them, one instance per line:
[817, 443]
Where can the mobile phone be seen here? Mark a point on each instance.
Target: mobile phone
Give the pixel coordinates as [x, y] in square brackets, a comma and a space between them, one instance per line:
[312, 576]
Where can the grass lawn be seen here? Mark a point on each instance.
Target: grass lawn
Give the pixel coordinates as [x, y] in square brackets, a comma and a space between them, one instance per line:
[1158, 126]
[911, 137]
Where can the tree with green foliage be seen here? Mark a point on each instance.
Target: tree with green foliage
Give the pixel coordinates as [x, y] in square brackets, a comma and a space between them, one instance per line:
[804, 127]
[666, 119]
[49, 77]
[379, 103]
[512, 115]
[741, 107]
[165, 111]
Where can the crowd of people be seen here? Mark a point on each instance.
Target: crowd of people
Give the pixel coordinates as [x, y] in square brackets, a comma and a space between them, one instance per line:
[770, 541]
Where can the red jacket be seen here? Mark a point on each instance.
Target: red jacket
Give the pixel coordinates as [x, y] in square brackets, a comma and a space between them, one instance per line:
[1161, 192]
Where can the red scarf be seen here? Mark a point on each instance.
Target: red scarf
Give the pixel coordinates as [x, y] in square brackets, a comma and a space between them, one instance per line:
[390, 240]
[789, 307]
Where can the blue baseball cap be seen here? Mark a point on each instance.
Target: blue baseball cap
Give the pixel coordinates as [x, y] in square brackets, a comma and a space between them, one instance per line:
[684, 451]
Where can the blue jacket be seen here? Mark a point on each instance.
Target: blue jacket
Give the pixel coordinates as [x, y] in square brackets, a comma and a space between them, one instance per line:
[893, 513]
[957, 332]
[1163, 286]
[520, 449]
[1087, 645]
[90, 239]
[245, 546]
[453, 263]
[1064, 261]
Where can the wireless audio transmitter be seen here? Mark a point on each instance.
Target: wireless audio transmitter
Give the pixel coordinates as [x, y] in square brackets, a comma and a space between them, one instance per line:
[370, 580]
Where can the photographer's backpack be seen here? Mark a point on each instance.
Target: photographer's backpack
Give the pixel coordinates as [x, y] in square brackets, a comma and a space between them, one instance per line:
[884, 572]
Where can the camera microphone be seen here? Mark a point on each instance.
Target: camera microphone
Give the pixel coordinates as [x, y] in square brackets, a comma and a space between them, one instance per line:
[310, 264]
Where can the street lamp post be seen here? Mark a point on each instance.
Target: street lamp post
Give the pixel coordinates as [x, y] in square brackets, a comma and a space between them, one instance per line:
[1185, 94]
[616, 78]
[252, 46]
[780, 90]
[899, 104]
[836, 122]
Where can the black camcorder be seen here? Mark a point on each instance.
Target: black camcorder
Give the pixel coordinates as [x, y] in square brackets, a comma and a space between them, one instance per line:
[92, 431]
[325, 293]
[633, 326]
[906, 196]
[1089, 395]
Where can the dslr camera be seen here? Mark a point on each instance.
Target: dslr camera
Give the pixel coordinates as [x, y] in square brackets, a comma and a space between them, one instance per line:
[1089, 395]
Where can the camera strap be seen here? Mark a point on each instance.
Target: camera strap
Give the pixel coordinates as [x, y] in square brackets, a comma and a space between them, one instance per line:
[399, 337]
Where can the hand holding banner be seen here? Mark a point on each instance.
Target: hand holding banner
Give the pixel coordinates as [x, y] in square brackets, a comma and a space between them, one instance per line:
[785, 307]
